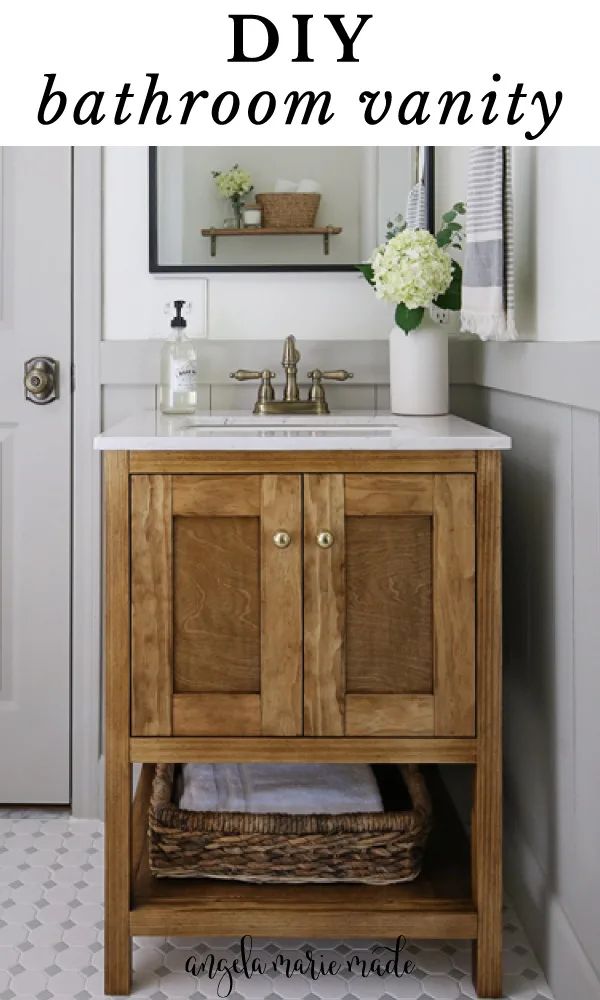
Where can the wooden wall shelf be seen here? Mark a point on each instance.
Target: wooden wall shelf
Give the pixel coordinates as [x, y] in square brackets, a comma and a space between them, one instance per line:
[324, 231]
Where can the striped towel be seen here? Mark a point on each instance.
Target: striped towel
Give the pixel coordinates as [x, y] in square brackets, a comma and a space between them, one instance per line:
[488, 307]
[415, 207]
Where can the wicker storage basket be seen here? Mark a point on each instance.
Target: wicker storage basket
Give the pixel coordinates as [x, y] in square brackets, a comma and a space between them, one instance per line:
[376, 848]
[288, 210]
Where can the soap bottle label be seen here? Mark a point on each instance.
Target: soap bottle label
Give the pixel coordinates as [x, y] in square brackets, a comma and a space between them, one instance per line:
[183, 375]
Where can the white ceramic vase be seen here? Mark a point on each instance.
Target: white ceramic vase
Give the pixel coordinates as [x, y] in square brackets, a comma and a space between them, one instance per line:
[419, 371]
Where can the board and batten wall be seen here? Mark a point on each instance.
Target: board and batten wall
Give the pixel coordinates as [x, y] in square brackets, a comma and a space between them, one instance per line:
[544, 392]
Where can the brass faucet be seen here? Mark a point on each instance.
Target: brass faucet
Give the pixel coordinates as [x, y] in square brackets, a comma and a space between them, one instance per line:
[291, 403]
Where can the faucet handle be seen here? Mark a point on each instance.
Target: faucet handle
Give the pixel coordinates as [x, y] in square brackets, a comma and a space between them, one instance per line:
[242, 375]
[266, 392]
[340, 375]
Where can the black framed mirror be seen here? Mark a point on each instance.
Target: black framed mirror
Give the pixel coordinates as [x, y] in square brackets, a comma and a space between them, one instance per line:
[288, 208]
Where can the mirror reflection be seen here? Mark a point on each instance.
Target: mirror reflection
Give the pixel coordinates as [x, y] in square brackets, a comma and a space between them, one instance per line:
[281, 208]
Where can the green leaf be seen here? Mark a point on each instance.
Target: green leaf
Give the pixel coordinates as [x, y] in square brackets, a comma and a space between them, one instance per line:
[367, 271]
[449, 216]
[460, 207]
[454, 227]
[408, 319]
[451, 298]
[443, 237]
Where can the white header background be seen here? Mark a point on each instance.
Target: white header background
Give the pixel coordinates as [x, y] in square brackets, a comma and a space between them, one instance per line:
[432, 45]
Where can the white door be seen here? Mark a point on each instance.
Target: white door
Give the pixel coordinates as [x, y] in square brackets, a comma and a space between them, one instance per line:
[35, 477]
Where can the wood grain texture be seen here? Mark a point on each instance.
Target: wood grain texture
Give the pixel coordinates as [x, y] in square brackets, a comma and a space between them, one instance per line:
[151, 603]
[217, 606]
[139, 816]
[389, 622]
[186, 462]
[454, 605]
[389, 715]
[216, 496]
[340, 750]
[324, 607]
[383, 495]
[118, 881]
[216, 715]
[155, 917]
[487, 800]
[281, 603]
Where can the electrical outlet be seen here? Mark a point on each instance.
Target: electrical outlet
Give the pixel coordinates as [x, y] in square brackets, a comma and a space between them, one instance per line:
[169, 307]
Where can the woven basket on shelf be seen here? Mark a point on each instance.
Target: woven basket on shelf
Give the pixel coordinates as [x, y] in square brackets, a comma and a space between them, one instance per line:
[288, 210]
[376, 848]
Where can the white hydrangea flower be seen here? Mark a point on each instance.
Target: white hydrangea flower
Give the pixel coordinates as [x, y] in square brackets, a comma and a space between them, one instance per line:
[411, 269]
[234, 182]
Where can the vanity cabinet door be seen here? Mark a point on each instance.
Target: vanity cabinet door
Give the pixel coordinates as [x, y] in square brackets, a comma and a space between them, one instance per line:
[389, 590]
[216, 625]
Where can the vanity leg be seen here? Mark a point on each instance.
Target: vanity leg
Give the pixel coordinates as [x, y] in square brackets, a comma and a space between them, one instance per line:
[117, 942]
[486, 842]
[487, 889]
[118, 884]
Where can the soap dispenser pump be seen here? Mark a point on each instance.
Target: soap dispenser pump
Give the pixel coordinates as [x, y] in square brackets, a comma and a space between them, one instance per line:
[178, 368]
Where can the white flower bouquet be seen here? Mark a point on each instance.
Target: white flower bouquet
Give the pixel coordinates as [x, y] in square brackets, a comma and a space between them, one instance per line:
[414, 270]
[234, 184]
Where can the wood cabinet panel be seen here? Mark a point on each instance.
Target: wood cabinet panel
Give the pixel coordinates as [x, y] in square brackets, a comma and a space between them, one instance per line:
[454, 605]
[217, 607]
[389, 642]
[394, 715]
[151, 603]
[324, 607]
[388, 494]
[281, 594]
[216, 496]
[238, 714]
[390, 607]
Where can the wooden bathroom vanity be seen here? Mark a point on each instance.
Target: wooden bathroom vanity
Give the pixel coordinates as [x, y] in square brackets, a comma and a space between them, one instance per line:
[278, 593]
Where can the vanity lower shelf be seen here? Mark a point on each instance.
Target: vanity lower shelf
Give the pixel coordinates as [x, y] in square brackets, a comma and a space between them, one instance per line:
[437, 904]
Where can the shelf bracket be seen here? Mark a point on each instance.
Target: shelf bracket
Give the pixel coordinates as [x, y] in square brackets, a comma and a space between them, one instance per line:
[326, 243]
[213, 244]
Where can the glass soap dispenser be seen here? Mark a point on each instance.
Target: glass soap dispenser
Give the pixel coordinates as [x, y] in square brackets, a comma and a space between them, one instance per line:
[178, 368]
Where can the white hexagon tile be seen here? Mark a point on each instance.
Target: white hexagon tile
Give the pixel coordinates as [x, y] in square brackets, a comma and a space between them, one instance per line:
[51, 875]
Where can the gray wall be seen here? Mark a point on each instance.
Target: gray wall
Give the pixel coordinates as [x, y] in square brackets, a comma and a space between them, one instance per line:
[551, 656]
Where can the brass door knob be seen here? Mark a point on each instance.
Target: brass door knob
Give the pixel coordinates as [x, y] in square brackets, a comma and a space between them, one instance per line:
[41, 380]
[282, 539]
[325, 539]
[37, 382]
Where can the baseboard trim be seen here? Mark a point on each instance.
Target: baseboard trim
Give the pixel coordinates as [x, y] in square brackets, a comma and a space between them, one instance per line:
[567, 968]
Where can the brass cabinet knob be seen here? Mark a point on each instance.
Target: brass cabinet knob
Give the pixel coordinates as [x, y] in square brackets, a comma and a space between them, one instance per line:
[325, 539]
[282, 539]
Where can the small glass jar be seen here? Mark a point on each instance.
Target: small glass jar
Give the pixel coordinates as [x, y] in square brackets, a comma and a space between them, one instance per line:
[252, 216]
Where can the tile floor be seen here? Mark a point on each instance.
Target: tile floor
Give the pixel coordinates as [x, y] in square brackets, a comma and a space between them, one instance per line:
[51, 872]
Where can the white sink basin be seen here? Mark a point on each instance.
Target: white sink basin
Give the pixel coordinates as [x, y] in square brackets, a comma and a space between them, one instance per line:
[296, 425]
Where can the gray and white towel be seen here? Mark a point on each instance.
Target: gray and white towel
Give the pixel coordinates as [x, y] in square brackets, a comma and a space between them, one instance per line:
[488, 301]
[416, 216]
[279, 788]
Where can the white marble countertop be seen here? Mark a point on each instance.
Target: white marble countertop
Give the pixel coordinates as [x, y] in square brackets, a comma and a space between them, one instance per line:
[151, 431]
